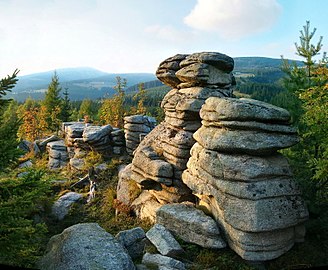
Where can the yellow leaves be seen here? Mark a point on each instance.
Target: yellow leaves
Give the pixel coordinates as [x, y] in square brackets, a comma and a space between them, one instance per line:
[34, 124]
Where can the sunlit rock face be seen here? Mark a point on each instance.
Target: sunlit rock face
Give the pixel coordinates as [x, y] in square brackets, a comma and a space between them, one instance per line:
[220, 153]
[237, 174]
[136, 127]
[162, 156]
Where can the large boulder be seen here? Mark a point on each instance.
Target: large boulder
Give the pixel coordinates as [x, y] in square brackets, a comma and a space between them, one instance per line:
[85, 246]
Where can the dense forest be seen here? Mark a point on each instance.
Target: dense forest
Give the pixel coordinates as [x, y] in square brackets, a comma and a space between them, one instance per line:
[27, 193]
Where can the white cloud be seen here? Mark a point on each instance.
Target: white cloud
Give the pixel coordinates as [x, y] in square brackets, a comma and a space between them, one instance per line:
[169, 33]
[233, 19]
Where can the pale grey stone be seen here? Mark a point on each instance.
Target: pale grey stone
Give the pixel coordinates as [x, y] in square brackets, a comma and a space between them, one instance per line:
[57, 145]
[251, 125]
[242, 109]
[134, 240]
[218, 60]
[199, 74]
[45, 141]
[85, 246]
[243, 141]
[26, 164]
[160, 261]
[75, 130]
[126, 187]
[92, 134]
[61, 207]
[190, 224]
[164, 241]
[249, 169]
[137, 128]
[76, 163]
[145, 206]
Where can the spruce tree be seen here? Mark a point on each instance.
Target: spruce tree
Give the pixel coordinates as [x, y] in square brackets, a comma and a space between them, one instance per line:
[53, 103]
[8, 124]
[66, 109]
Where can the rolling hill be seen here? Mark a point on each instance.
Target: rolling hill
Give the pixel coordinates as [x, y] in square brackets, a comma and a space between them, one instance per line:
[86, 82]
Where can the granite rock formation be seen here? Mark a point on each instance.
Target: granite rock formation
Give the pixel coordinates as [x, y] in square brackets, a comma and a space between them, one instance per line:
[82, 138]
[162, 156]
[136, 127]
[237, 174]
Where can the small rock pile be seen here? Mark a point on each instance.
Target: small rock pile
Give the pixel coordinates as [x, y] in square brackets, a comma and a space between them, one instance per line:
[237, 174]
[136, 127]
[162, 156]
[58, 156]
[82, 138]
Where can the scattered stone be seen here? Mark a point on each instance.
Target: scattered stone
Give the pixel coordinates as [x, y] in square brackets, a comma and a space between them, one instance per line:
[85, 246]
[164, 241]
[62, 206]
[134, 240]
[26, 164]
[190, 224]
[162, 262]
[25, 145]
[76, 164]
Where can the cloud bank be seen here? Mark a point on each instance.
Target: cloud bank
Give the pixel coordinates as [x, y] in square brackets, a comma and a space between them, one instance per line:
[233, 19]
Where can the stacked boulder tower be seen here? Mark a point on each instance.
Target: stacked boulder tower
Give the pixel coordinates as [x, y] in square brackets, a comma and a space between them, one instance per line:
[238, 175]
[162, 156]
[220, 153]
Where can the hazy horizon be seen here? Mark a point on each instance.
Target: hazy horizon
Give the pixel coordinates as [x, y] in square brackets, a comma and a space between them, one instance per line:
[135, 36]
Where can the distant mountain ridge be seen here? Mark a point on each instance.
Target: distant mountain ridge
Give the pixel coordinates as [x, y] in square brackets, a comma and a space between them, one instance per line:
[87, 82]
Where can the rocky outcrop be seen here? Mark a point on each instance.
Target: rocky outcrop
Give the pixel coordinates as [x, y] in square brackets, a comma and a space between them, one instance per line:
[85, 246]
[191, 225]
[162, 156]
[58, 156]
[237, 174]
[136, 127]
[82, 138]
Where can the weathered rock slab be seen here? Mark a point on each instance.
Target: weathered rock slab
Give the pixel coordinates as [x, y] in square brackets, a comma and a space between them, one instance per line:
[164, 241]
[190, 224]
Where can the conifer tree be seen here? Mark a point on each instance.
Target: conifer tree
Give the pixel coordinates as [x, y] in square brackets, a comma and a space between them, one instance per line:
[66, 110]
[308, 88]
[53, 103]
[112, 110]
[8, 124]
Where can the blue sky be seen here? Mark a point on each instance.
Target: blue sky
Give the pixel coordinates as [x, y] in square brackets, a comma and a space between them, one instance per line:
[125, 36]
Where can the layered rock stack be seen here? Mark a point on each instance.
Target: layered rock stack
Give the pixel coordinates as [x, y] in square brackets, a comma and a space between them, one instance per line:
[237, 174]
[136, 127]
[99, 139]
[77, 148]
[82, 138]
[161, 157]
[58, 156]
[118, 141]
